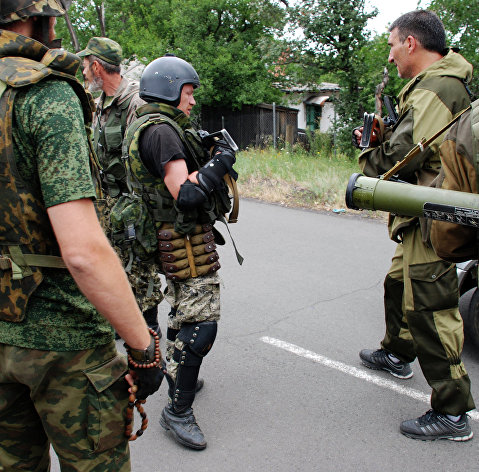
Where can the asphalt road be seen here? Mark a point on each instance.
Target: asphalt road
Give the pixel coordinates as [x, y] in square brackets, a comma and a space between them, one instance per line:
[284, 388]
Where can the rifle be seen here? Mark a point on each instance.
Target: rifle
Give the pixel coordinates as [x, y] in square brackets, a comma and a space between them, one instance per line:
[218, 138]
[374, 124]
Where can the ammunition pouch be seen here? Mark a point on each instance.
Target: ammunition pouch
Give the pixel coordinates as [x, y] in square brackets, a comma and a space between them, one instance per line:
[184, 256]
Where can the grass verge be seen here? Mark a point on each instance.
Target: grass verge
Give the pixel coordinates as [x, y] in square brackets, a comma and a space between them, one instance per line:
[297, 179]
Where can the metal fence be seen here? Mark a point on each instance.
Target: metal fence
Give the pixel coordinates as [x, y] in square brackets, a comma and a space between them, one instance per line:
[259, 125]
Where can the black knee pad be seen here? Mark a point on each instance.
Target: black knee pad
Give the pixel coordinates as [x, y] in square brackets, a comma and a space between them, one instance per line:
[199, 337]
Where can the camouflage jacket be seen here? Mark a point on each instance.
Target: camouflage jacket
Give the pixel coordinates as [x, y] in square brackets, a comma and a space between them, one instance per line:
[161, 203]
[460, 171]
[27, 240]
[426, 104]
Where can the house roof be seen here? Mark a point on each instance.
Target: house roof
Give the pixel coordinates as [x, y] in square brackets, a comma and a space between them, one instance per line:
[322, 87]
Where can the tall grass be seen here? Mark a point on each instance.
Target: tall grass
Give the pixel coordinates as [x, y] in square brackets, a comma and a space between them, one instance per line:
[295, 177]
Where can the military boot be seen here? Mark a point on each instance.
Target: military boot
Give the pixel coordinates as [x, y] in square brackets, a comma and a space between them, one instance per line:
[183, 427]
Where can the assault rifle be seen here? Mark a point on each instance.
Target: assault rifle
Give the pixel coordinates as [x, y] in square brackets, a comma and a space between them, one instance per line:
[219, 138]
[372, 124]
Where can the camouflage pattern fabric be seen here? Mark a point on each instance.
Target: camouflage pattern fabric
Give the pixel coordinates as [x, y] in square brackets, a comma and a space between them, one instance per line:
[105, 49]
[196, 300]
[144, 277]
[14, 10]
[72, 400]
[428, 325]
[51, 154]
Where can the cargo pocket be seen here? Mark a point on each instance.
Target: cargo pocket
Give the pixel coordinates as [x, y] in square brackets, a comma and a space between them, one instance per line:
[107, 396]
[113, 138]
[434, 286]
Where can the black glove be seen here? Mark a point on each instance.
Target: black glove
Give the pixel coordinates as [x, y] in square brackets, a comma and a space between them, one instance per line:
[211, 174]
[147, 380]
[147, 367]
[225, 152]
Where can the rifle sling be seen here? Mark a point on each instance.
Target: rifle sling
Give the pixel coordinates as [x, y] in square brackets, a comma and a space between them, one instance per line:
[420, 147]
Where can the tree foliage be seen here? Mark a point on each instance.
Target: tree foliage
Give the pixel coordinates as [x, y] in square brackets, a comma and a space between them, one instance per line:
[334, 33]
[461, 21]
[225, 40]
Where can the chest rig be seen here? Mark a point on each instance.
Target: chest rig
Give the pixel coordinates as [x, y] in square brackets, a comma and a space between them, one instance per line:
[107, 141]
[186, 238]
[27, 242]
[161, 203]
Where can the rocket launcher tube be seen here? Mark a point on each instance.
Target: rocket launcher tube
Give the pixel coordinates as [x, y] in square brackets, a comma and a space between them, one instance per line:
[405, 199]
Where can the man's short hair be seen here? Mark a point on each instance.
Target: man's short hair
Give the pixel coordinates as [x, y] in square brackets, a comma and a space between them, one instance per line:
[109, 68]
[425, 26]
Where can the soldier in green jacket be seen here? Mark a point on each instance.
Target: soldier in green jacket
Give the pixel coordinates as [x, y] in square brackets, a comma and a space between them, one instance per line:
[62, 381]
[420, 289]
[115, 111]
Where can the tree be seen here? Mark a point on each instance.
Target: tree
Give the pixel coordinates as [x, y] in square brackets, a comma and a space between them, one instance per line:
[334, 33]
[225, 40]
[461, 21]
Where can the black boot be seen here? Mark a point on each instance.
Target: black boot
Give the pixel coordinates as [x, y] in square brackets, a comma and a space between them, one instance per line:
[184, 428]
[178, 416]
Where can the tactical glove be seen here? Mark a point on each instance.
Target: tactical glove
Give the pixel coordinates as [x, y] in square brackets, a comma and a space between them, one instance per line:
[147, 380]
[211, 174]
[147, 367]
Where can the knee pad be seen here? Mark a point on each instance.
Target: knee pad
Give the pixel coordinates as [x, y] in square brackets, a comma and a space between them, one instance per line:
[198, 339]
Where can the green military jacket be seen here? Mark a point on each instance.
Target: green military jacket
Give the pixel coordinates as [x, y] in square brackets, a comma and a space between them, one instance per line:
[426, 104]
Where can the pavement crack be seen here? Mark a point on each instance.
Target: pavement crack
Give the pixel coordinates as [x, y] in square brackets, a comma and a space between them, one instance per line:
[289, 314]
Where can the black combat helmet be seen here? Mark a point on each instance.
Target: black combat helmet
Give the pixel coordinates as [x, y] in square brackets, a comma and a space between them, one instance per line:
[163, 79]
[14, 10]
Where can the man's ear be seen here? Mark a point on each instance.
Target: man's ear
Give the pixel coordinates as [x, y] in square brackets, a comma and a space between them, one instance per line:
[412, 44]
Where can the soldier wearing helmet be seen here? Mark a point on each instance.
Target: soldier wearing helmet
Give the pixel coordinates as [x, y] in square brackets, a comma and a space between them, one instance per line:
[62, 382]
[187, 194]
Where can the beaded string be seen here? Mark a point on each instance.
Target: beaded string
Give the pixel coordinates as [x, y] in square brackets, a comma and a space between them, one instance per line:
[133, 402]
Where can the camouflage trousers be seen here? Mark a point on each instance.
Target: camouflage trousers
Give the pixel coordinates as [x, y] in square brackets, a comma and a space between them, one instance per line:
[193, 300]
[423, 321]
[74, 401]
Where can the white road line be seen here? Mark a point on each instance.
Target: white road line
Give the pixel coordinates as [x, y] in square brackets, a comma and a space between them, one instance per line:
[358, 373]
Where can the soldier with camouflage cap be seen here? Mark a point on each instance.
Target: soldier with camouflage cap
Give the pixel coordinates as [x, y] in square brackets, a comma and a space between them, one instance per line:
[62, 381]
[114, 112]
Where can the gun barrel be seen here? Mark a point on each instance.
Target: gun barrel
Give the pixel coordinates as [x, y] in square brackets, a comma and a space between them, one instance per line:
[405, 199]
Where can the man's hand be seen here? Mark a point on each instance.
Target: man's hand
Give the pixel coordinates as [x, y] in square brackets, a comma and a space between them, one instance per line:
[356, 136]
[211, 174]
[147, 380]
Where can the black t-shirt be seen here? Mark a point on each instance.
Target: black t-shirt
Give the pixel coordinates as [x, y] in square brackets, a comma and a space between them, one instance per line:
[160, 144]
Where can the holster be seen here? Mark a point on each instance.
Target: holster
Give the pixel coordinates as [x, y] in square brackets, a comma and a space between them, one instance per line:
[191, 255]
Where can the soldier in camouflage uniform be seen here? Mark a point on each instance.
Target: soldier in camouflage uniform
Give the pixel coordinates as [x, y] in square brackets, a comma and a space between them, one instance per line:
[186, 193]
[62, 381]
[114, 112]
[420, 289]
